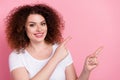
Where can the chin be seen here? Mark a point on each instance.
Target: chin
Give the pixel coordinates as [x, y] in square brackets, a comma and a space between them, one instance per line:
[40, 40]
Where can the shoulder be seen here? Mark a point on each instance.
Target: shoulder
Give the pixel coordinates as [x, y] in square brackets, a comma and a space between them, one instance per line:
[15, 60]
[55, 45]
[15, 54]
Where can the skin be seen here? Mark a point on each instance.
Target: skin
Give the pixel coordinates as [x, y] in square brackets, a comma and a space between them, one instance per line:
[36, 30]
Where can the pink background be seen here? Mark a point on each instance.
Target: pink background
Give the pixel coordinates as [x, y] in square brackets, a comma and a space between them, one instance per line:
[91, 23]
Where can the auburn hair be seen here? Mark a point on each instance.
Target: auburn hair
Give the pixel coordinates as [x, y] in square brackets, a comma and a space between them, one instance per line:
[16, 20]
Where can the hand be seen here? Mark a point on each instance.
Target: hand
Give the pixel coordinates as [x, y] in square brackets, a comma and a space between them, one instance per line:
[61, 51]
[91, 61]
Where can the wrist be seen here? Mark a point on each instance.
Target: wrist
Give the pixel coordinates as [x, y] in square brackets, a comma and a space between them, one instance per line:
[86, 71]
[84, 75]
[54, 60]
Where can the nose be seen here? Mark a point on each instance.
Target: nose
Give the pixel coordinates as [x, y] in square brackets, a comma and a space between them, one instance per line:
[39, 28]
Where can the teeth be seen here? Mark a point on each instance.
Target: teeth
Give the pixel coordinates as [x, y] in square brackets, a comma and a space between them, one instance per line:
[38, 34]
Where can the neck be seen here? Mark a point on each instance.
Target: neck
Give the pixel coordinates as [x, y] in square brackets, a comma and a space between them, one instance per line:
[37, 46]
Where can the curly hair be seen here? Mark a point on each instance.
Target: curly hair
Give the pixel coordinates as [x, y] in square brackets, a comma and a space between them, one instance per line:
[15, 30]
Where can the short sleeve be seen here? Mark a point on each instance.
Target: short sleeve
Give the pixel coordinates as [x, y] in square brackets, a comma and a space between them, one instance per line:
[68, 60]
[15, 61]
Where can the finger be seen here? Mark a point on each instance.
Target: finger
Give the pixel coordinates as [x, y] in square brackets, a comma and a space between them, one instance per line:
[98, 51]
[93, 61]
[66, 40]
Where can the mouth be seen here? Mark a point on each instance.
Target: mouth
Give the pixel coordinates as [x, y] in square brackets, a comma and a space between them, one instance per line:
[39, 35]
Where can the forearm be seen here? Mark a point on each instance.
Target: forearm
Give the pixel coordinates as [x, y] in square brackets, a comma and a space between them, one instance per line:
[46, 71]
[84, 75]
[59, 55]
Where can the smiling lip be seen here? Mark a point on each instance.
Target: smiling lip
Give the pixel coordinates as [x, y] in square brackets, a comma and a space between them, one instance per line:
[39, 35]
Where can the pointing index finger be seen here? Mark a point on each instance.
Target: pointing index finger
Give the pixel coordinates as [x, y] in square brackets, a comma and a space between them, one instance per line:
[66, 40]
[98, 50]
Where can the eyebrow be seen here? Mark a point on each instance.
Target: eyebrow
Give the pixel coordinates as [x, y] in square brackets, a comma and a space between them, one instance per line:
[35, 22]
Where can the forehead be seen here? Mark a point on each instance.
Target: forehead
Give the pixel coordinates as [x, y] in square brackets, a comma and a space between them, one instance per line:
[35, 17]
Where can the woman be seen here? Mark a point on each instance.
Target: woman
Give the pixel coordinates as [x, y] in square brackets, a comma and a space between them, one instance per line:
[39, 51]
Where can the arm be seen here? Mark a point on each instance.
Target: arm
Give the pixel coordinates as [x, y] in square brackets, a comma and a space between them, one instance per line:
[44, 74]
[70, 72]
[47, 70]
[90, 64]
[85, 72]
[84, 76]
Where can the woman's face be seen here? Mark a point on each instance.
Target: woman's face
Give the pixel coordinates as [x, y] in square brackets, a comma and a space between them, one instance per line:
[36, 27]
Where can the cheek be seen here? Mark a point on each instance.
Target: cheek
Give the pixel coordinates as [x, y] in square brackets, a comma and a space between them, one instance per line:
[45, 29]
[29, 32]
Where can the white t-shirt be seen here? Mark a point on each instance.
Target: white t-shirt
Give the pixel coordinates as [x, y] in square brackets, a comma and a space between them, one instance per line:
[33, 66]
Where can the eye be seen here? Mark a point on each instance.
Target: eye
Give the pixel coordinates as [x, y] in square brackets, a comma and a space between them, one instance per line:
[31, 25]
[43, 23]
